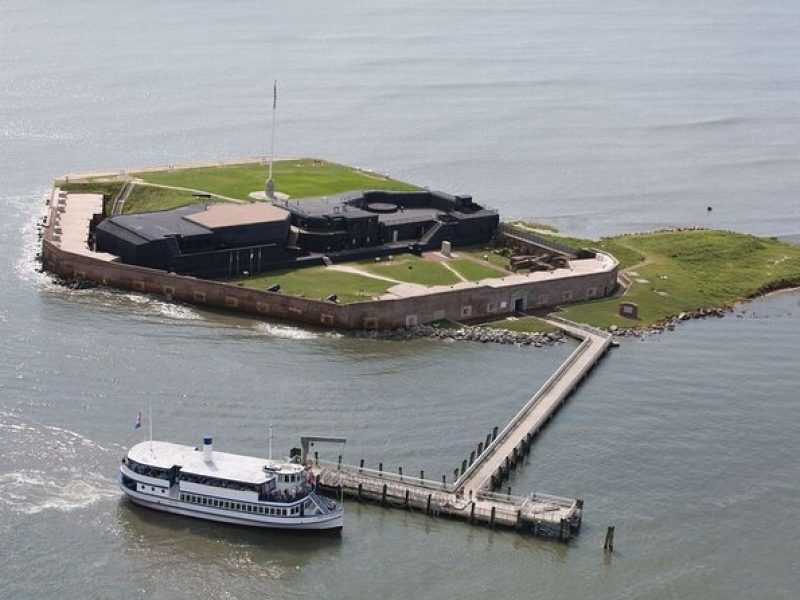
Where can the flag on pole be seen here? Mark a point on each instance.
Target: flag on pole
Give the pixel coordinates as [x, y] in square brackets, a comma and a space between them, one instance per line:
[274, 94]
[138, 420]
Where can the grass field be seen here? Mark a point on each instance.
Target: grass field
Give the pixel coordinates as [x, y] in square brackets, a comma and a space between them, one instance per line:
[411, 269]
[495, 259]
[317, 283]
[144, 199]
[673, 272]
[302, 178]
[473, 271]
[523, 324]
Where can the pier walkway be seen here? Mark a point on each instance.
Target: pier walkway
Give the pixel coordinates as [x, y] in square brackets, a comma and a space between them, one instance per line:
[471, 496]
[514, 441]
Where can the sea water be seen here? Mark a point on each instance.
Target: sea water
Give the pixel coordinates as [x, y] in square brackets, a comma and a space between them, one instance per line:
[596, 117]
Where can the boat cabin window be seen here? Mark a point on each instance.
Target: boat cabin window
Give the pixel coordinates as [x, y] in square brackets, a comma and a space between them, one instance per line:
[220, 483]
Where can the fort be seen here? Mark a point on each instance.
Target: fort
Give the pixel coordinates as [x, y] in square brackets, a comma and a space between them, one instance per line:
[211, 252]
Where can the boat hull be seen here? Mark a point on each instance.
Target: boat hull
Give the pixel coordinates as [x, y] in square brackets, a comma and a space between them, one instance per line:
[323, 523]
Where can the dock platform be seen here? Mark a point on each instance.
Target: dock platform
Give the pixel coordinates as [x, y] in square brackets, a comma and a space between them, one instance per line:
[471, 497]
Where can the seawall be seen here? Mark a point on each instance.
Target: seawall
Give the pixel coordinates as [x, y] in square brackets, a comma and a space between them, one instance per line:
[484, 300]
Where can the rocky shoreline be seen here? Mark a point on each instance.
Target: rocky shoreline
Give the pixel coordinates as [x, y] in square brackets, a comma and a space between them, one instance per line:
[669, 323]
[466, 333]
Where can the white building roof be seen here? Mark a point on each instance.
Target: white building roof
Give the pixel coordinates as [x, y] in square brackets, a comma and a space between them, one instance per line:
[246, 469]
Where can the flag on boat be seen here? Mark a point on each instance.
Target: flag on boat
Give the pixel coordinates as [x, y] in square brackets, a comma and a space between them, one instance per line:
[138, 420]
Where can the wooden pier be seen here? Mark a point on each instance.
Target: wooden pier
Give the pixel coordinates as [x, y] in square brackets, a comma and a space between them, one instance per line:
[471, 496]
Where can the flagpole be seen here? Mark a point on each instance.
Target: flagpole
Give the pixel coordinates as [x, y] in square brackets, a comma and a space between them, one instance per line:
[150, 422]
[270, 183]
[270, 441]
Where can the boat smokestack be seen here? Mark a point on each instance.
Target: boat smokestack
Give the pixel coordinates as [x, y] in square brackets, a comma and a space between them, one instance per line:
[208, 446]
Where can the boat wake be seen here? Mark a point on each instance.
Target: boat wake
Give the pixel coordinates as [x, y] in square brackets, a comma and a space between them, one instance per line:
[28, 488]
[31, 492]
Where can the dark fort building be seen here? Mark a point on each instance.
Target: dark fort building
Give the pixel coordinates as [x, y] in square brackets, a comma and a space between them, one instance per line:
[228, 239]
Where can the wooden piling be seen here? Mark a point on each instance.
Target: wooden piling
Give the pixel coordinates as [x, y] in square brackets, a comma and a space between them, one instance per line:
[383, 495]
[494, 432]
[428, 505]
[471, 458]
[472, 514]
[408, 493]
[491, 518]
[400, 471]
[361, 466]
[480, 448]
[360, 489]
[608, 545]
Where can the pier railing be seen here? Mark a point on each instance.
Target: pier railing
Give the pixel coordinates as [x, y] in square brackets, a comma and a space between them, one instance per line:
[388, 476]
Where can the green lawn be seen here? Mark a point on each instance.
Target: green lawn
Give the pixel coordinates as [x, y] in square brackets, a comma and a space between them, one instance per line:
[478, 253]
[524, 324]
[318, 283]
[684, 271]
[144, 199]
[302, 178]
[412, 269]
[474, 271]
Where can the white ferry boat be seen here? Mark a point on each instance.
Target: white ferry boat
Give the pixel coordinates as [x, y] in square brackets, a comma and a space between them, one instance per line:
[226, 487]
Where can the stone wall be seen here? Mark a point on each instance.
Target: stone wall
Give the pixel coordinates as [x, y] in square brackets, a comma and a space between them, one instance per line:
[474, 303]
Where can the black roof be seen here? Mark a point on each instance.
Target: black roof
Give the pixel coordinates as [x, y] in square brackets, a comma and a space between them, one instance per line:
[146, 227]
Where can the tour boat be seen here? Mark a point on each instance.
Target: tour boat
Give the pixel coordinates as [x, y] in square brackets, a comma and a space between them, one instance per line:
[229, 488]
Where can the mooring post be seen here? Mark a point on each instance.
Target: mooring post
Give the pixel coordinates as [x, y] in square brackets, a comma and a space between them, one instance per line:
[361, 466]
[360, 487]
[519, 519]
[428, 505]
[408, 493]
[383, 495]
[480, 448]
[608, 545]
[471, 458]
[422, 475]
[455, 474]
[463, 465]
[444, 480]
[400, 470]
[488, 440]
[316, 457]
[494, 433]
[380, 469]
[472, 514]
[339, 467]
[491, 519]
[509, 492]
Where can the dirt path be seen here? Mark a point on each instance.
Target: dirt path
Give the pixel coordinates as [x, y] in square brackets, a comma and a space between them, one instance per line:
[357, 271]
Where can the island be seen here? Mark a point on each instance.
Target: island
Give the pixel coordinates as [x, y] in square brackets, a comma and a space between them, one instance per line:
[345, 247]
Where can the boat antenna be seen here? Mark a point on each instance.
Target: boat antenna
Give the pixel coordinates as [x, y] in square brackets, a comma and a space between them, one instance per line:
[270, 189]
[270, 441]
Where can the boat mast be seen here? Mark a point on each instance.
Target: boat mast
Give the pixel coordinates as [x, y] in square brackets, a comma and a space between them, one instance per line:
[270, 441]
